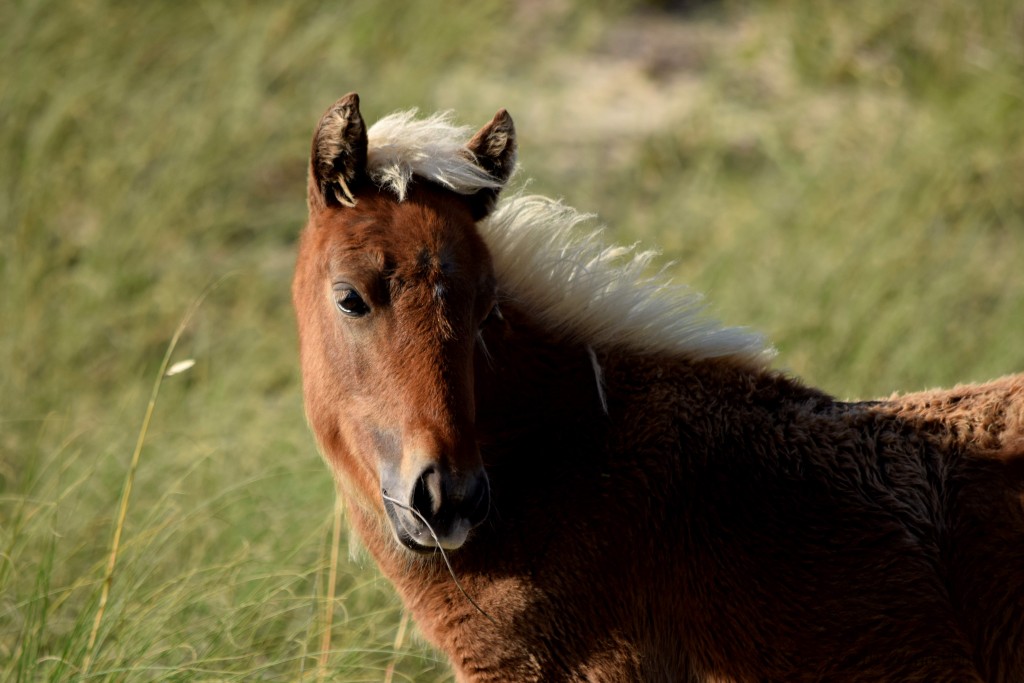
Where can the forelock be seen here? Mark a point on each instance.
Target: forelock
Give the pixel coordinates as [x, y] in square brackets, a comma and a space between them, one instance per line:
[402, 146]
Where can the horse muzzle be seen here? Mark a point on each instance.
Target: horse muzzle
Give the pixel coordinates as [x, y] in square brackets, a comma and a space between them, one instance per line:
[438, 509]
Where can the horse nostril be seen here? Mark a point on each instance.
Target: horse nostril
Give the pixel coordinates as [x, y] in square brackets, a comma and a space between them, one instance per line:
[428, 494]
[440, 498]
[479, 500]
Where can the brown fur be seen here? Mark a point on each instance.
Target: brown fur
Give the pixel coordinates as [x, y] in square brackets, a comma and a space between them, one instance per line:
[719, 522]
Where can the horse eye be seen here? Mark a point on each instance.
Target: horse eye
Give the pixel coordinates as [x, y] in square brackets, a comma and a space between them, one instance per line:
[350, 303]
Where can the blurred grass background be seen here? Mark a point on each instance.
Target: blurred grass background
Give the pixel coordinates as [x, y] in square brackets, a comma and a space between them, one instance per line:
[846, 177]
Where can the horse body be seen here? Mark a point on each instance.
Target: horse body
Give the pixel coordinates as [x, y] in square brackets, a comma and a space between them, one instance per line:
[653, 513]
[731, 525]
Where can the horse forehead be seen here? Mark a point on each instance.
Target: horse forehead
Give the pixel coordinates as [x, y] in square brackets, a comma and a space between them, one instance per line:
[384, 239]
[429, 238]
[436, 242]
[435, 273]
[436, 262]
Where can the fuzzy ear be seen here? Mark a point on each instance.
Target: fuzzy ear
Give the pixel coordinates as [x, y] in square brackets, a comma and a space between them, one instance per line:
[494, 150]
[338, 158]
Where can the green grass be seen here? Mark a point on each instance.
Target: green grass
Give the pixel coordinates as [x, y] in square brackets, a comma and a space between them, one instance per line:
[846, 179]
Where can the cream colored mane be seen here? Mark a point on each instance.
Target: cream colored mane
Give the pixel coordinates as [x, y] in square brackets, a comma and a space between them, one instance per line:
[401, 146]
[573, 282]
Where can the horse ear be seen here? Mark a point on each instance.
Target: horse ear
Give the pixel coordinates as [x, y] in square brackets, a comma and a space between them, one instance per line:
[338, 158]
[494, 150]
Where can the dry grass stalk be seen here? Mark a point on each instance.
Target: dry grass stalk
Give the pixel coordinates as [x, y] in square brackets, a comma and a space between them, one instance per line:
[126, 492]
[332, 575]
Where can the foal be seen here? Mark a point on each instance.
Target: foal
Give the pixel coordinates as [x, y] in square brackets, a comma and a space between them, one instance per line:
[625, 491]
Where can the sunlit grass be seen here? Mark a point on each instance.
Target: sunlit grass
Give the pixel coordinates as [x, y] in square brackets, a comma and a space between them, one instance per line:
[846, 179]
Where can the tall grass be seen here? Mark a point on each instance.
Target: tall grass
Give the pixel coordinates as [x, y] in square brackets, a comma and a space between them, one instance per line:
[845, 178]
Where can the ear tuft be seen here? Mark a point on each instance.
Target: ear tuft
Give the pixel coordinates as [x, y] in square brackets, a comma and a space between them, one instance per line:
[494, 150]
[338, 158]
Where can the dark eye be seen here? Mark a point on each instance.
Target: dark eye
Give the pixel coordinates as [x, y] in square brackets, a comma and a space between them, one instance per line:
[350, 303]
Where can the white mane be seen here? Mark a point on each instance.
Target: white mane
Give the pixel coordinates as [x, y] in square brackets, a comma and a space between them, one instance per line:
[576, 285]
[401, 146]
[601, 295]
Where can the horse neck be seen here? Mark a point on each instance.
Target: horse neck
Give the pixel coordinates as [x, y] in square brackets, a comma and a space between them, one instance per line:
[531, 382]
[555, 409]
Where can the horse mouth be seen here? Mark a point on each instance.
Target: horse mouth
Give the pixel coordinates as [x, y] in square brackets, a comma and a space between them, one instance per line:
[416, 535]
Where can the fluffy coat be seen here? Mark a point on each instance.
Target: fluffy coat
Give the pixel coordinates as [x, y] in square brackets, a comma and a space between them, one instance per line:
[663, 505]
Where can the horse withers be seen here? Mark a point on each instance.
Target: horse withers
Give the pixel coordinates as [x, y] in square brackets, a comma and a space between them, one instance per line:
[570, 473]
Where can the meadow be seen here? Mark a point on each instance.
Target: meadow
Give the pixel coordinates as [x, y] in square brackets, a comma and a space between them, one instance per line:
[847, 178]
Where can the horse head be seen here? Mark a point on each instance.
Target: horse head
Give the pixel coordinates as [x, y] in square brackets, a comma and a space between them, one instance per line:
[391, 290]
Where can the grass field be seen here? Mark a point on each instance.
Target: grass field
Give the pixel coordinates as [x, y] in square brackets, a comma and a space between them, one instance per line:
[847, 178]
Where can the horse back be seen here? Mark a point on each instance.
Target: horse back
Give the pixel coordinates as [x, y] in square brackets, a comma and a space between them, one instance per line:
[825, 540]
[978, 432]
